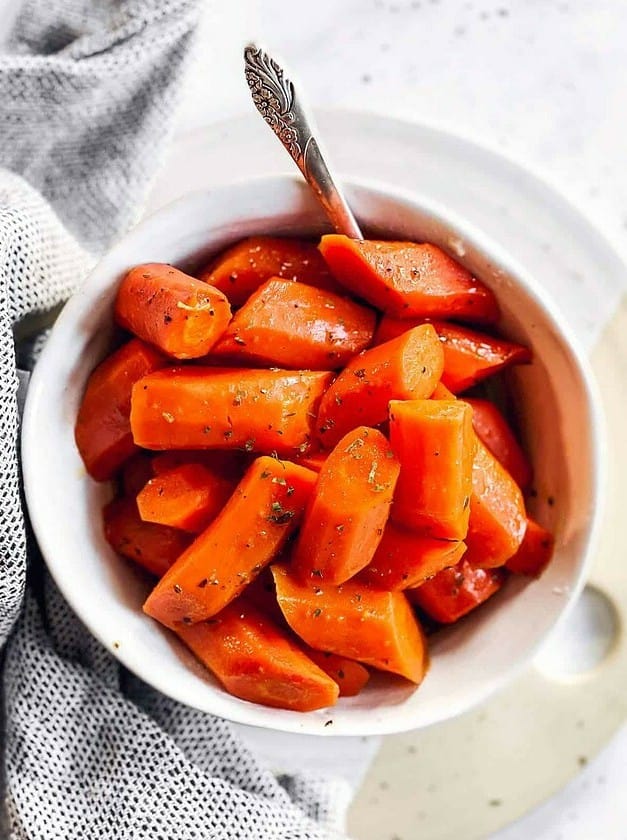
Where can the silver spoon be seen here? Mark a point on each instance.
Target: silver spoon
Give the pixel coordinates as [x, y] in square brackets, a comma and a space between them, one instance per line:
[278, 103]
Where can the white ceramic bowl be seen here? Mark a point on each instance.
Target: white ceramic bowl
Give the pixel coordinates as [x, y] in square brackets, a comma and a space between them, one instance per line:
[560, 418]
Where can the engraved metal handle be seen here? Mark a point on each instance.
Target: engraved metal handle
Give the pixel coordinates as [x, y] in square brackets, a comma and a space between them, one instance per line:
[276, 100]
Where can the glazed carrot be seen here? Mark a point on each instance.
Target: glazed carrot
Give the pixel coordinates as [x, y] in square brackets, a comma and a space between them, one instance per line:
[454, 592]
[312, 460]
[497, 512]
[469, 356]
[103, 431]
[441, 392]
[493, 430]
[405, 559]
[136, 472]
[534, 553]
[241, 269]
[188, 497]
[344, 520]
[228, 408]
[293, 325]
[155, 547]
[407, 279]
[177, 313]
[254, 524]
[255, 661]
[374, 627]
[230, 464]
[349, 675]
[408, 367]
[434, 442]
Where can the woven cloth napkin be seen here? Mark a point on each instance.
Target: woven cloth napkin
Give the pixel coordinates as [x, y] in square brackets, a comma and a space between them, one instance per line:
[87, 94]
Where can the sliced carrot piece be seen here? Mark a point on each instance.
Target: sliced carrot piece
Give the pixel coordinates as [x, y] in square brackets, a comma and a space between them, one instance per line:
[103, 430]
[255, 661]
[230, 464]
[254, 524]
[434, 442]
[155, 547]
[344, 520]
[454, 592]
[407, 279]
[293, 325]
[136, 472]
[497, 512]
[312, 460]
[349, 675]
[241, 269]
[408, 367]
[374, 627]
[404, 559]
[494, 431]
[228, 408]
[535, 551]
[441, 392]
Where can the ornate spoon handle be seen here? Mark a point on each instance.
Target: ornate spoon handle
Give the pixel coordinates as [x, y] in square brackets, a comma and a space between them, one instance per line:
[276, 100]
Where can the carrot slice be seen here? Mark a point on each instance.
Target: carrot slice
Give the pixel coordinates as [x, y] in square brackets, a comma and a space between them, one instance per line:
[312, 460]
[497, 512]
[230, 464]
[189, 497]
[103, 430]
[408, 367]
[441, 392]
[535, 551]
[227, 408]
[242, 268]
[374, 627]
[255, 661]
[170, 309]
[494, 431]
[155, 547]
[454, 592]
[293, 325]
[406, 279]
[344, 520]
[349, 675]
[405, 559]
[434, 442]
[254, 524]
[136, 472]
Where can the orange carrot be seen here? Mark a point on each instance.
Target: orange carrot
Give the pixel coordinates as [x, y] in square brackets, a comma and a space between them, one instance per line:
[228, 408]
[406, 279]
[494, 431]
[454, 592]
[349, 675]
[136, 472]
[469, 356]
[497, 512]
[534, 553]
[170, 309]
[434, 442]
[255, 661]
[251, 529]
[441, 392]
[408, 367]
[230, 464]
[242, 268]
[344, 520]
[188, 497]
[404, 559]
[374, 627]
[103, 431]
[312, 460]
[293, 325]
[155, 547]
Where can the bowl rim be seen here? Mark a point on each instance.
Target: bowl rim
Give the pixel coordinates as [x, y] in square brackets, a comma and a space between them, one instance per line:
[249, 713]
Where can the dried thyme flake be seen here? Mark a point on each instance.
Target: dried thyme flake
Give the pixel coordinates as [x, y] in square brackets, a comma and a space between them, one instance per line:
[239, 340]
[317, 612]
[373, 472]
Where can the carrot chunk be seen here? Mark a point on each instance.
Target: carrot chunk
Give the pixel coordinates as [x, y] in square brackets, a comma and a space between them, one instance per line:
[404, 559]
[349, 675]
[344, 520]
[230, 464]
[454, 592]
[434, 442]
[103, 430]
[254, 524]
[255, 661]
[406, 279]
[493, 430]
[241, 269]
[170, 309]
[136, 472]
[312, 460]
[227, 408]
[408, 367]
[374, 627]
[535, 551]
[155, 547]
